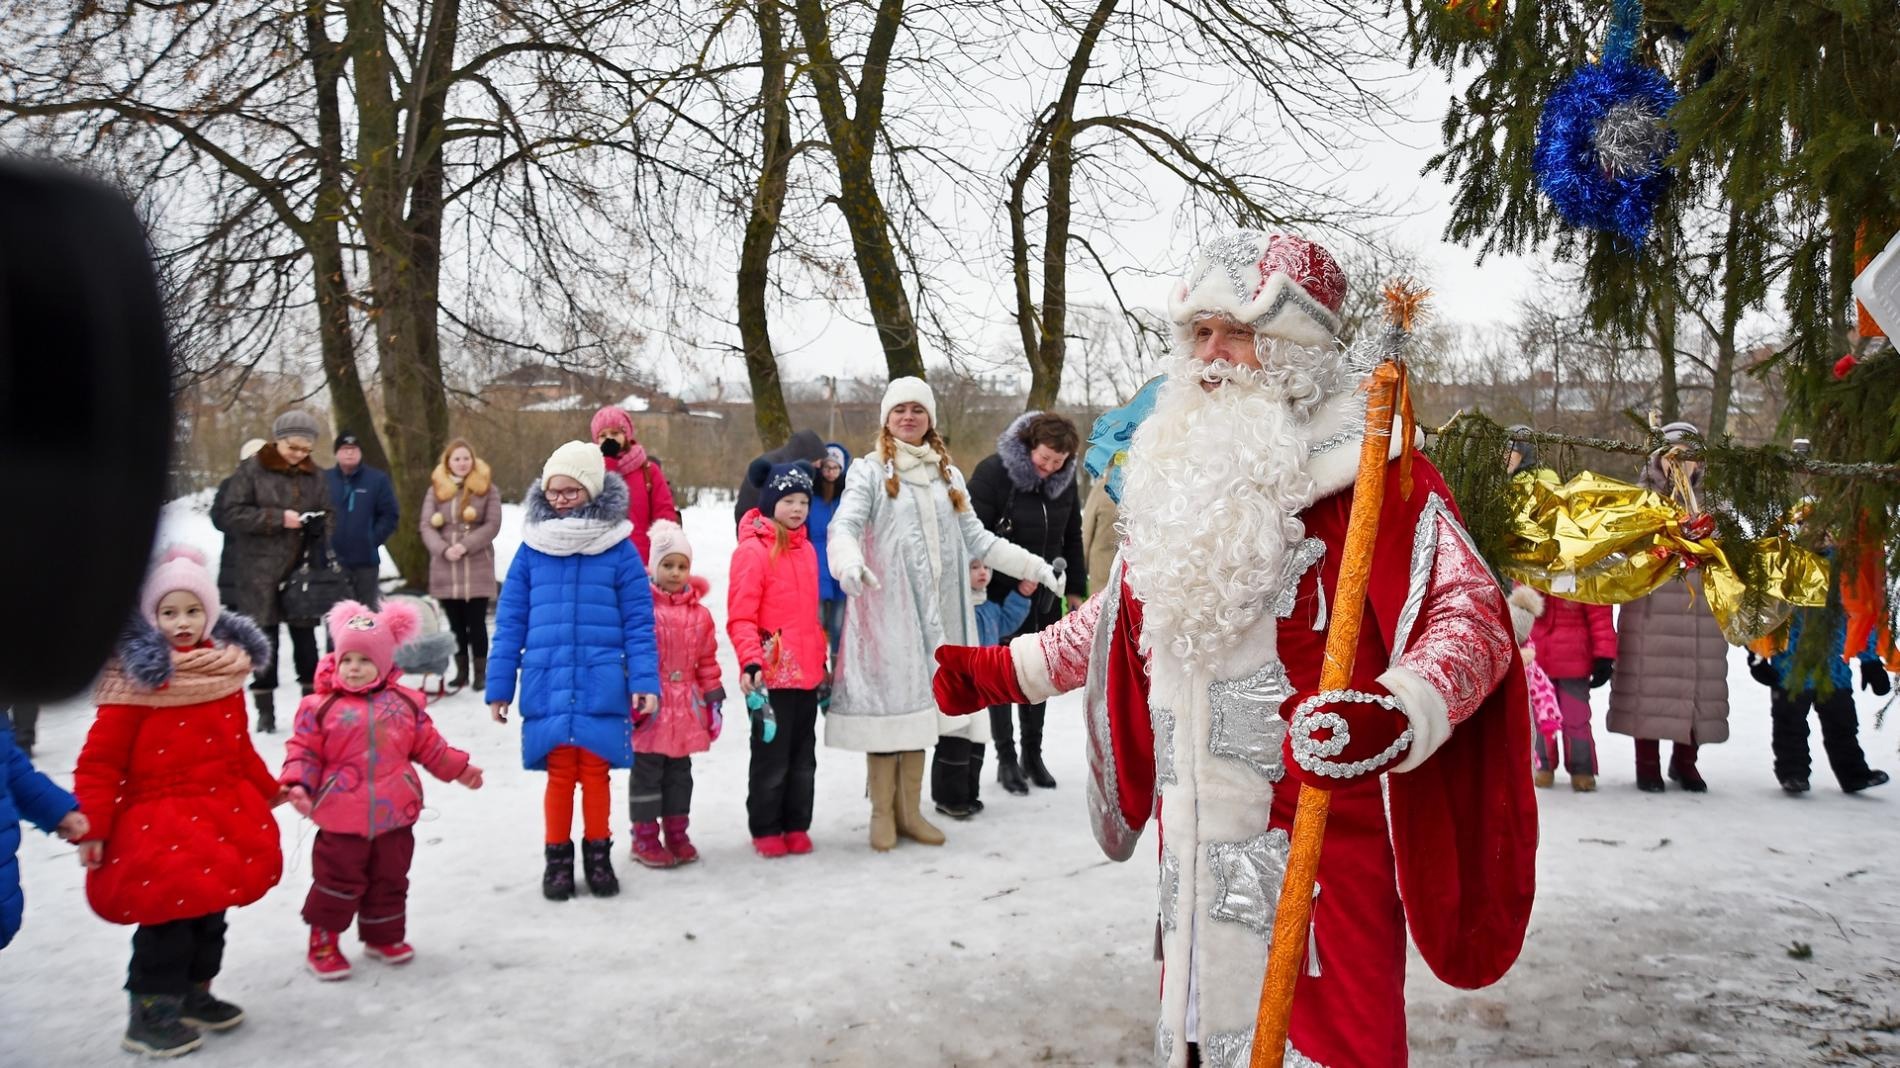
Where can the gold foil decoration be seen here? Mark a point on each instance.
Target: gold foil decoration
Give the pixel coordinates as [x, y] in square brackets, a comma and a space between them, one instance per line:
[1600, 541]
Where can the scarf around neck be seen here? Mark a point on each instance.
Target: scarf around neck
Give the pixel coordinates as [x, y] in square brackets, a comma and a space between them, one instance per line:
[198, 675]
[915, 464]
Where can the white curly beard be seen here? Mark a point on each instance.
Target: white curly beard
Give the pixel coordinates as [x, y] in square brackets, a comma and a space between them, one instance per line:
[1215, 483]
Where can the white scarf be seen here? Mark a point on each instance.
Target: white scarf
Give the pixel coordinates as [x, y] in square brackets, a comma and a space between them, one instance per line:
[915, 464]
[573, 536]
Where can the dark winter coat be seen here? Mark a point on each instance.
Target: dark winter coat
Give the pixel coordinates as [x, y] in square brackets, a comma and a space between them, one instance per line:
[251, 516]
[805, 445]
[576, 620]
[227, 556]
[1671, 679]
[818, 526]
[24, 794]
[1044, 516]
[1571, 635]
[363, 514]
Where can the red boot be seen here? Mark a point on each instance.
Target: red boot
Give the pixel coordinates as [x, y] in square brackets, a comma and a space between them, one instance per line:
[770, 846]
[647, 848]
[1682, 769]
[326, 958]
[676, 841]
[797, 843]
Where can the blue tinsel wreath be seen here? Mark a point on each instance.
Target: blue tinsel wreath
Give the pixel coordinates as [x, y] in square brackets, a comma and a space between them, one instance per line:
[1569, 169]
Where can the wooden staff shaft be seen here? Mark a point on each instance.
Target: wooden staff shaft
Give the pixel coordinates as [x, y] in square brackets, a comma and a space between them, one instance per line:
[1342, 640]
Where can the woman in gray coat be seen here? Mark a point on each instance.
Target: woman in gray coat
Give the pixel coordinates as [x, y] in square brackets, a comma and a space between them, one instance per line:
[460, 516]
[1671, 678]
[900, 546]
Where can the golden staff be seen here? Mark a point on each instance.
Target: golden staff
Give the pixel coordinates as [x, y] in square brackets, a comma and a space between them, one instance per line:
[1385, 389]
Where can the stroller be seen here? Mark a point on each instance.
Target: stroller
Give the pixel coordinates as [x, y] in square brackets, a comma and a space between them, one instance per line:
[431, 651]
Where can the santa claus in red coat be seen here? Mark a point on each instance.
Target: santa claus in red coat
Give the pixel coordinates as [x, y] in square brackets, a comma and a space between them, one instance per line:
[1202, 662]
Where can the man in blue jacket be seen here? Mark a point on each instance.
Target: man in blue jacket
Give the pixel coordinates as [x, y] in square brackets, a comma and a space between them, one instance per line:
[363, 516]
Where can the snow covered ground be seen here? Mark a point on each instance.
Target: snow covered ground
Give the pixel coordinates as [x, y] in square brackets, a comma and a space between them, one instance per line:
[1669, 929]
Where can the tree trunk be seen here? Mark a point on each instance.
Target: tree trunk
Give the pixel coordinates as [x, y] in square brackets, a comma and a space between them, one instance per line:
[773, 421]
[336, 339]
[1722, 386]
[404, 259]
[1665, 333]
[854, 148]
[1046, 359]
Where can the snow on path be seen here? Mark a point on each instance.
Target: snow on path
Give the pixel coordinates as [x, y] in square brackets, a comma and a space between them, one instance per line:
[1661, 935]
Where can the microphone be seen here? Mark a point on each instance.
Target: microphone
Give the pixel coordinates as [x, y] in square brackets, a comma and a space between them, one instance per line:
[1054, 603]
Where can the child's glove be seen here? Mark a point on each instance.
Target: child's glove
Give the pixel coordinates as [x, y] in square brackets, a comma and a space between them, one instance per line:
[761, 711]
[471, 777]
[1873, 676]
[717, 721]
[1601, 672]
[824, 694]
[1763, 671]
[300, 800]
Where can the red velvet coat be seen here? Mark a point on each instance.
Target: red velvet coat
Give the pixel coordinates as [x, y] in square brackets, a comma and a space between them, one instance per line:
[183, 803]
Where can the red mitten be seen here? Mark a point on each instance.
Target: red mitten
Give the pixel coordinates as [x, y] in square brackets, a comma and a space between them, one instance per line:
[971, 678]
[1337, 737]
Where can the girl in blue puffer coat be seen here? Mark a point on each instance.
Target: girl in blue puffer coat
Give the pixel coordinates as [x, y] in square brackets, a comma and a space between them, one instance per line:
[576, 619]
[26, 794]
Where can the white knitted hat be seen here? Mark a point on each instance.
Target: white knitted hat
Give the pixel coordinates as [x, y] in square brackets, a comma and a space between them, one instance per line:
[579, 461]
[907, 390]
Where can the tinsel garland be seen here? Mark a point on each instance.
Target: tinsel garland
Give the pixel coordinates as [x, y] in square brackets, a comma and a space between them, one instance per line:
[1602, 138]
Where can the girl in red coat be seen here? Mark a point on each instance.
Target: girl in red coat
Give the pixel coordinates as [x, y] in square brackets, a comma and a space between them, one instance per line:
[179, 801]
[688, 721]
[1576, 646]
[348, 767]
[772, 618]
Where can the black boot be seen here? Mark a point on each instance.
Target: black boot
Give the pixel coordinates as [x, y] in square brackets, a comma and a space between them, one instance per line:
[155, 1029]
[480, 681]
[598, 861]
[1682, 769]
[1032, 747]
[1875, 777]
[205, 1011]
[976, 780]
[557, 882]
[461, 672]
[949, 782]
[266, 711]
[1008, 772]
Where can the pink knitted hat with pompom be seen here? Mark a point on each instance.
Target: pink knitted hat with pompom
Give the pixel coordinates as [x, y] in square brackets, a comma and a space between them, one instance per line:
[181, 567]
[666, 537]
[356, 629]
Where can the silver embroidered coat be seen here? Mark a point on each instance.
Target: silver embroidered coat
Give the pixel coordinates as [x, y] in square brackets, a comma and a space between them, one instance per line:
[881, 700]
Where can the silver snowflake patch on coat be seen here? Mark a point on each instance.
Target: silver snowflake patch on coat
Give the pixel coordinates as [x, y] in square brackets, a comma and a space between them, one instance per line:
[1247, 877]
[1246, 719]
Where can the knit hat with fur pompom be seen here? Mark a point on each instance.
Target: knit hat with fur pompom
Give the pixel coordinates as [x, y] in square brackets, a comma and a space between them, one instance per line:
[356, 629]
[181, 567]
[667, 538]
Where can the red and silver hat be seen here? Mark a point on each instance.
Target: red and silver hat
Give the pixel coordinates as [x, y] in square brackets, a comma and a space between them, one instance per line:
[1281, 285]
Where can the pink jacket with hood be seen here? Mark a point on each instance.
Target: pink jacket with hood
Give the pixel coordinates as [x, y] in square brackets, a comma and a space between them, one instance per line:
[689, 674]
[355, 755]
[772, 606]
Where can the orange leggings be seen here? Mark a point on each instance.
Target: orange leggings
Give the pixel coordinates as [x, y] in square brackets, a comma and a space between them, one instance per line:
[567, 765]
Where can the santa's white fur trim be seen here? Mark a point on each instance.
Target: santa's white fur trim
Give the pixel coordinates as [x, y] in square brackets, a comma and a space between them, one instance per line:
[1425, 710]
[1032, 668]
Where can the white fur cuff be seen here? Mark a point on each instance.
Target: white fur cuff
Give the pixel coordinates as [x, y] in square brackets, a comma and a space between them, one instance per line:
[1032, 669]
[1426, 711]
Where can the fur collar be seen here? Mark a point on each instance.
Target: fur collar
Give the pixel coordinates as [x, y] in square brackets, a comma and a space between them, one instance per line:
[480, 479]
[1022, 470]
[271, 460]
[696, 590]
[589, 530]
[146, 657]
[1335, 467]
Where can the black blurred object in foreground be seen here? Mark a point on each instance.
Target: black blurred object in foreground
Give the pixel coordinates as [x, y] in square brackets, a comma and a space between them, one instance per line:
[85, 425]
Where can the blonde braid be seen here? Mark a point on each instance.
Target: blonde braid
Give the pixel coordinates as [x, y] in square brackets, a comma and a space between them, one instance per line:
[887, 451]
[958, 502]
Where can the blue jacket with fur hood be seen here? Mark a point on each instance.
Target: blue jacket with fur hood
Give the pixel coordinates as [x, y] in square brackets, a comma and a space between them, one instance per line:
[576, 621]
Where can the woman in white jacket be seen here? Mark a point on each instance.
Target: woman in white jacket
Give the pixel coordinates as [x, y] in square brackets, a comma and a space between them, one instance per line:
[900, 546]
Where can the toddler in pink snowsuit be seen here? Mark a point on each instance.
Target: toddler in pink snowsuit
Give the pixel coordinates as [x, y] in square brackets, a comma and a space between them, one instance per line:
[661, 794]
[1527, 605]
[348, 766]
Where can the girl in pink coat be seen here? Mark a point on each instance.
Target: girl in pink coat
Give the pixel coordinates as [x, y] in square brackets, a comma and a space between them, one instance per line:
[690, 697]
[772, 618]
[649, 498]
[348, 767]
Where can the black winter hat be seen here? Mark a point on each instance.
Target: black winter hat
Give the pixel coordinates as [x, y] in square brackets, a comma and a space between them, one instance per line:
[778, 480]
[346, 438]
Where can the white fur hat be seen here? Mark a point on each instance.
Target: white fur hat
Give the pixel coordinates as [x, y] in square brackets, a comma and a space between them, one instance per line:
[579, 461]
[1281, 285]
[907, 390]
